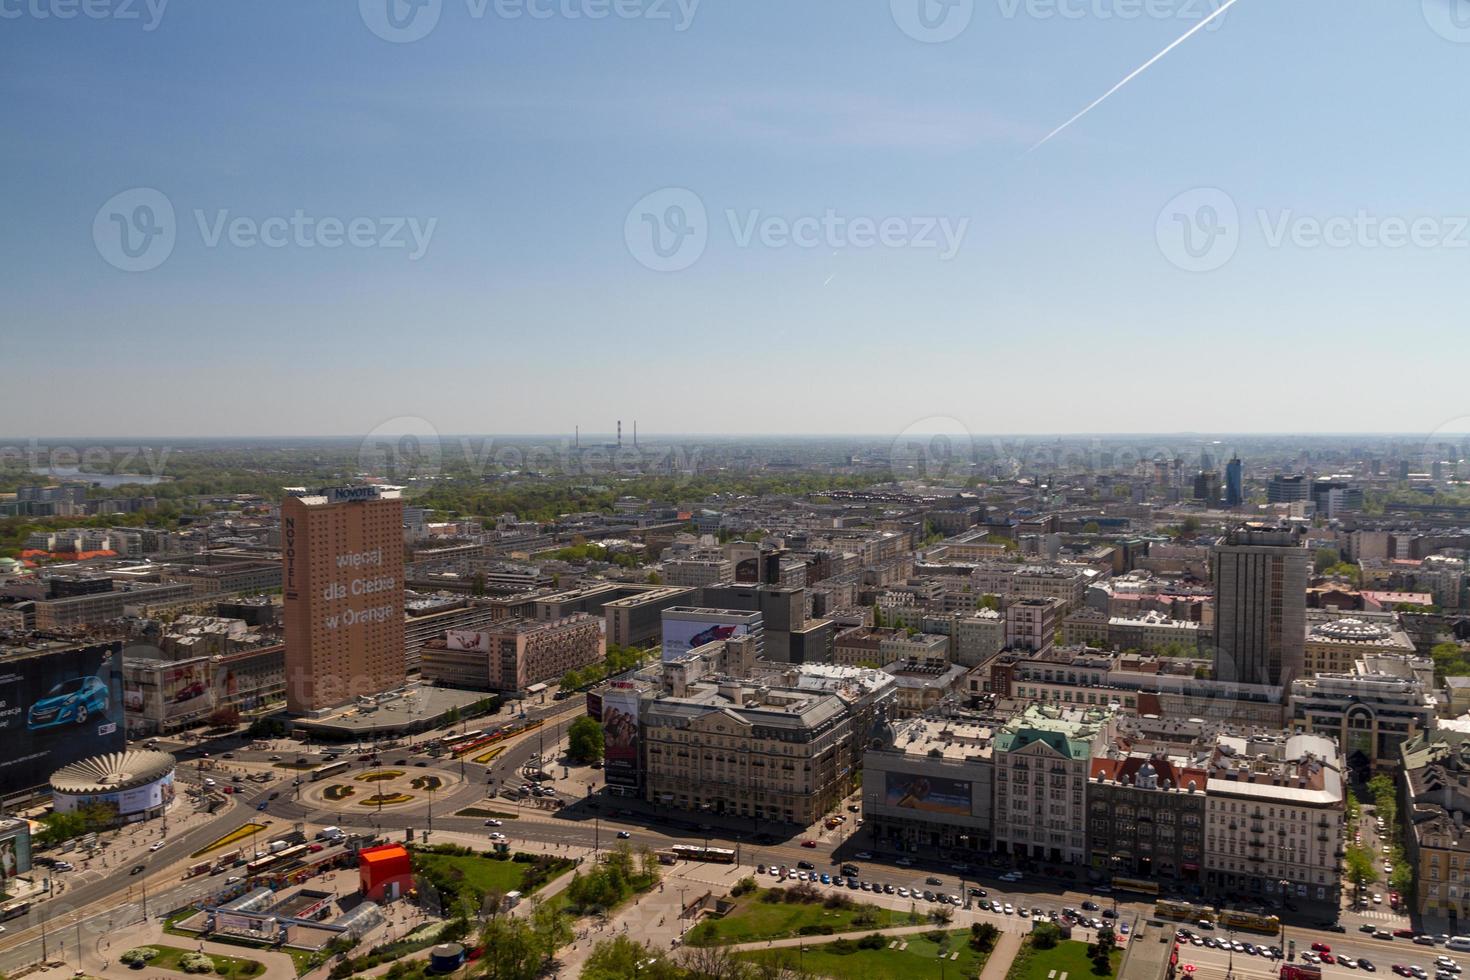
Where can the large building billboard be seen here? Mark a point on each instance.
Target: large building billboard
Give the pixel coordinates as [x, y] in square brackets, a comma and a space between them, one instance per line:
[928, 794]
[128, 802]
[467, 640]
[683, 635]
[15, 850]
[620, 735]
[55, 708]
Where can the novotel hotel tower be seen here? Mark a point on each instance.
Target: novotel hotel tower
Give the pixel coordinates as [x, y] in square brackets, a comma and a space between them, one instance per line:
[342, 576]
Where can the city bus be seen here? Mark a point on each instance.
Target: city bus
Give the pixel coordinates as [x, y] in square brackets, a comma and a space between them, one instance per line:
[330, 769]
[1250, 921]
[1183, 911]
[293, 853]
[262, 864]
[450, 741]
[696, 852]
[14, 910]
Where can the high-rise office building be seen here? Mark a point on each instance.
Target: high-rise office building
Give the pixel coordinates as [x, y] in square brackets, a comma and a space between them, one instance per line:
[1260, 574]
[1234, 482]
[342, 575]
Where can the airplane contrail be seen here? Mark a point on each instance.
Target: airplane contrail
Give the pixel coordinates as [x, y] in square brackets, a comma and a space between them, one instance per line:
[1135, 73]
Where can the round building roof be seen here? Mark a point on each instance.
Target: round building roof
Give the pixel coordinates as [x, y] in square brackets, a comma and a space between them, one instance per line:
[112, 772]
[1351, 629]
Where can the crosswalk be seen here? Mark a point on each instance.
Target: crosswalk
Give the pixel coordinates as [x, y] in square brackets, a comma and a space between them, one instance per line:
[1383, 915]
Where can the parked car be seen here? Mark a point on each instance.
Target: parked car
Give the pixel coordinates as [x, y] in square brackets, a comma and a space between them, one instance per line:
[808, 843]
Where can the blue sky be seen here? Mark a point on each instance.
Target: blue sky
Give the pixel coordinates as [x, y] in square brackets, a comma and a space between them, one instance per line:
[518, 148]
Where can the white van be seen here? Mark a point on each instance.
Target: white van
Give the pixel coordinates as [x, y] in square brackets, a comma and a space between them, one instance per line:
[1458, 942]
[329, 833]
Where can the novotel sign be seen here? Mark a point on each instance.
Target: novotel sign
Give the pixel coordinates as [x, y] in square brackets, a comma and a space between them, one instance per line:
[347, 495]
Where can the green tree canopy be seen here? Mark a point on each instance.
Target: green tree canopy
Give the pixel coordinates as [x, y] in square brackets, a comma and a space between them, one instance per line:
[584, 740]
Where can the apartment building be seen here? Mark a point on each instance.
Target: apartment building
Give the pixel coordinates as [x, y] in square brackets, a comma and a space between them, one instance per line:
[1436, 788]
[512, 655]
[1369, 711]
[234, 577]
[1335, 642]
[1153, 632]
[637, 620]
[928, 787]
[764, 753]
[1042, 758]
[1276, 812]
[697, 572]
[1146, 813]
[1031, 623]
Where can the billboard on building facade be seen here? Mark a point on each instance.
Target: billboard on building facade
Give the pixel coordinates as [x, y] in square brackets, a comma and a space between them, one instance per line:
[184, 688]
[56, 708]
[928, 794]
[620, 736]
[467, 640]
[15, 852]
[683, 635]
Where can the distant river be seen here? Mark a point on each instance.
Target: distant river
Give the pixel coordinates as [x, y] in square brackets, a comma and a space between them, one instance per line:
[66, 473]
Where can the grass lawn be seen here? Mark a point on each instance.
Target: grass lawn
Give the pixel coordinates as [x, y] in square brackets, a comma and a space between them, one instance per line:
[920, 960]
[229, 966]
[481, 873]
[754, 919]
[1067, 957]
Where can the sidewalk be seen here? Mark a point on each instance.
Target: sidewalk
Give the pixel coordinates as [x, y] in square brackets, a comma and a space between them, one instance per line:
[1001, 958]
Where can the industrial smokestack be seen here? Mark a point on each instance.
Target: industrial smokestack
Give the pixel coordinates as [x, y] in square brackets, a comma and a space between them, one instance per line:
[635, 433]
[620, 433]
[577, 438]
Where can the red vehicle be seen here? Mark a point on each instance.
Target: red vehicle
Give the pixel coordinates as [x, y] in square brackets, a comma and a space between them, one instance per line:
[1321, 948]
[1327, 958]
[1403, 933]
[1402, 970]
[808, 843]
[1393, 899]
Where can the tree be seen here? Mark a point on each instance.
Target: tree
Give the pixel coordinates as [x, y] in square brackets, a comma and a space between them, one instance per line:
[551, 929]
[989, 601]
[1360, 866]
[477, 584]
[584, 740]
[1092, 527]
[623, 958]
[1045, 935]
[512, 951]
[1326, 558]
[225, 716]
[571, 680]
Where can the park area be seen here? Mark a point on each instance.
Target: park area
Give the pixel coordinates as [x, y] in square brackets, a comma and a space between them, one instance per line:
[781, 913]
[1065, 961]
[941, 954]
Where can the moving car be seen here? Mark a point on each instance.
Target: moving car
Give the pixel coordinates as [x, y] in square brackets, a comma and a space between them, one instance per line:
[808, 843]
[70, 702]
[624, 835]
[492, 822]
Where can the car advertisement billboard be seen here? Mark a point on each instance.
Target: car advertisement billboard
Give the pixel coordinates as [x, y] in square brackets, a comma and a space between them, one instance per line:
[184, 688]
[55, 708]
[620, 736]
[929, 794]
[467, 640]
[683, 635]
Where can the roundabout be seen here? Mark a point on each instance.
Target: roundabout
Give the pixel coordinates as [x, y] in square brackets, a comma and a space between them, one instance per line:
[373, 789]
